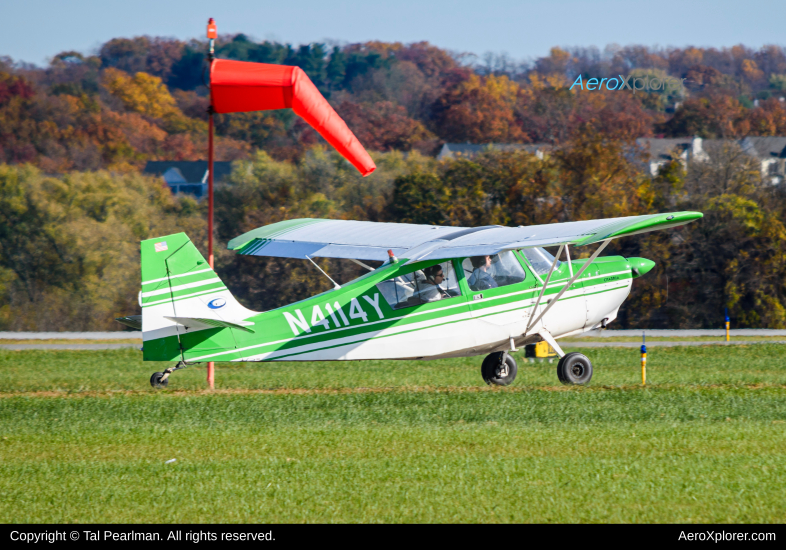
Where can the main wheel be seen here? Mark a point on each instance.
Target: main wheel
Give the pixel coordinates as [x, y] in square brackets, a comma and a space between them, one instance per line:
[156, 381]
[494, 372]
[574, 368]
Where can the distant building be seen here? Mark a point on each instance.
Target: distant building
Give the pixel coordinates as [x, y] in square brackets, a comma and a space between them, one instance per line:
[187, 176]
[771, 153]
[663, 150]
[469, 150]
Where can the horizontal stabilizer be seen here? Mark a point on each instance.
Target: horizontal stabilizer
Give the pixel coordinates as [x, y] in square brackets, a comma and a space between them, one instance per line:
[131, 321]
[203, 323]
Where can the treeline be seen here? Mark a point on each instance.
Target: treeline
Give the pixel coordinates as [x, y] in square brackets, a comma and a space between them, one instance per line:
[74, 134]
[69, 246]
[146, 98]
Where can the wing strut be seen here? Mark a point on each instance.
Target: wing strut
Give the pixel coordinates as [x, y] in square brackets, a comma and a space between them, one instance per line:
[361, 264]
[543, 289]
[572, 280]
[335, 284]
[567, 259]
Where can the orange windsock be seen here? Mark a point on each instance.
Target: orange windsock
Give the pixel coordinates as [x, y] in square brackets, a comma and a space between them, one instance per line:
[241, 86]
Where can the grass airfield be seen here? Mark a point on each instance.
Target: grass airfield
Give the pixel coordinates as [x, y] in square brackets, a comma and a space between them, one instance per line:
[84, 439]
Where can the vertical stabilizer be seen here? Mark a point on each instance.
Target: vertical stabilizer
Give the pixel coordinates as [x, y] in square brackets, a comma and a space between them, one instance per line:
[178, 289]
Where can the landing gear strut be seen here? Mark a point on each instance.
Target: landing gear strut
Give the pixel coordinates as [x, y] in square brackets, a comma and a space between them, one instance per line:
[160, 380]
[499, 369]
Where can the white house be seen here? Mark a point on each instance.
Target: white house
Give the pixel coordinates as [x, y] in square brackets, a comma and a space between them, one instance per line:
[663, 150]
[187, 176]
[771, 153]
[470, 150]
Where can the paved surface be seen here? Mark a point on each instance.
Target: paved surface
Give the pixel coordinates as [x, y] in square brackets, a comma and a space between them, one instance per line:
[591, 344]
[594, 339]
[119, 335]
[22, 347]
[687, 333]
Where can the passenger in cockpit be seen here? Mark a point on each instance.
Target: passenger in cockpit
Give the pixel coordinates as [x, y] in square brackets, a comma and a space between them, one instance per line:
[481, 278]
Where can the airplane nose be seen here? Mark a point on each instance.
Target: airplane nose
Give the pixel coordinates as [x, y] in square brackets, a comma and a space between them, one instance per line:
[640, 266]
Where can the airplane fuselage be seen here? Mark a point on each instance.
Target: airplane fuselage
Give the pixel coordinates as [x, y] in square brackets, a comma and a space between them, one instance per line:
[355, 322]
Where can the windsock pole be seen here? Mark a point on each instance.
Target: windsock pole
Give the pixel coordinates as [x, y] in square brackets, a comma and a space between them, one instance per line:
[212, 33]
[643, 360]
[727, 323]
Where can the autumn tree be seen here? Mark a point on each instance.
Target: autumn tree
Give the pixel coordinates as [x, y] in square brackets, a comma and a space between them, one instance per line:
[147, 95]
[718, 116]
[480, 111]
[556, 64]
[383, 126]
[769, 119]
[155, 56]
[546, 113]
[69, 246]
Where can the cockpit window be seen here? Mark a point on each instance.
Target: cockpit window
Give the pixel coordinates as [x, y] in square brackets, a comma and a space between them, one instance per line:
[484, 272]
[431, 284]
[540, 259]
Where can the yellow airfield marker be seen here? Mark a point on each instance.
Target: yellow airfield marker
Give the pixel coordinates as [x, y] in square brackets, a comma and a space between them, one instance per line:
[643, 360]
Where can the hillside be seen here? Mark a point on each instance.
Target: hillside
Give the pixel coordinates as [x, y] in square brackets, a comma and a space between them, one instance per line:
[75, 134]
[145, 99]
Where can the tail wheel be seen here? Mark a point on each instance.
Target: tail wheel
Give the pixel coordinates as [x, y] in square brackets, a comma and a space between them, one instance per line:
[497, 373]
[157, 382]
[574, 369]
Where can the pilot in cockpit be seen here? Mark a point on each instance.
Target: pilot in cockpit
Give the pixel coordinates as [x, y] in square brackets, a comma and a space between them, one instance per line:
[429, 289]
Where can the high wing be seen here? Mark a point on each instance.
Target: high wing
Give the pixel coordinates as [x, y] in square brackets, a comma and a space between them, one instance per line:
[348, 239]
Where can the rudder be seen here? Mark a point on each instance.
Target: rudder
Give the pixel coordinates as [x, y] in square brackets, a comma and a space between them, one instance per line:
[177, 282]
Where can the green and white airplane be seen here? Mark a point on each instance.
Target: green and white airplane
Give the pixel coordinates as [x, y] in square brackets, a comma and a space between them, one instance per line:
[440, 292]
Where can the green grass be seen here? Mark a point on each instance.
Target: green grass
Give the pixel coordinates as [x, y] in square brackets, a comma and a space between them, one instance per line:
[75, 371]
[705, 441]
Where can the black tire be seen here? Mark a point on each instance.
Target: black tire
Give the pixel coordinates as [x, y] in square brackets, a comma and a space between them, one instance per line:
[490, 370]
[156, 381]
[574, 369]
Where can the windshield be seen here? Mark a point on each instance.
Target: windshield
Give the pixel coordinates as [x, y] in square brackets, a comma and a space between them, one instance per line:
[484, 272]
[540, 259]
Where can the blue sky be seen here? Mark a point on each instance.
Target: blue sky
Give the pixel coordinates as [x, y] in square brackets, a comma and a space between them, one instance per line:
[35, 30]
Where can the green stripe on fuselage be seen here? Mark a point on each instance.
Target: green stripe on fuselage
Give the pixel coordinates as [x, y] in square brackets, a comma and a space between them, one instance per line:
[398, 318]
[183, 294]
[300, 342]
[175, 280]
[276, 331]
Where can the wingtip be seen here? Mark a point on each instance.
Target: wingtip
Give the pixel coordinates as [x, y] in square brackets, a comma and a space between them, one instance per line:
[686, 217]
